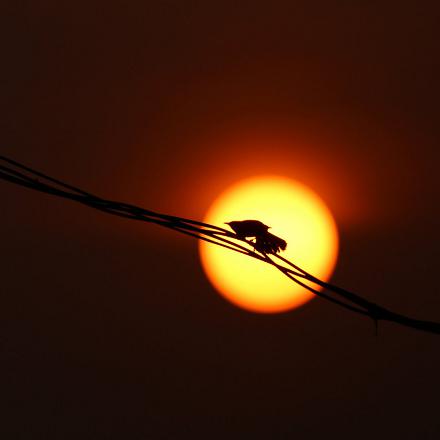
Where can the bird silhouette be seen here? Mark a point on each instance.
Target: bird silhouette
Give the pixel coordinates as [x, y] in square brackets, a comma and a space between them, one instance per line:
[265, 242]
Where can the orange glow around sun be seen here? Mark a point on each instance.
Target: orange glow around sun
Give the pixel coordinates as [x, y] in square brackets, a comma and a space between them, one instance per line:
[295, 214]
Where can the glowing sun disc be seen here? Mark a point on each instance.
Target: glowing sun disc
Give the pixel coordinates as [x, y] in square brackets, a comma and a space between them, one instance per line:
[295, 214]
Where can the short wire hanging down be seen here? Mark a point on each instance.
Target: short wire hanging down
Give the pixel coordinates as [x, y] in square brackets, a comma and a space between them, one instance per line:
[266, 252]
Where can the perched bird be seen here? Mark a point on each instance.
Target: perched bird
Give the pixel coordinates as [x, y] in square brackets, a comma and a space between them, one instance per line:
[248, 228]
[265, 242]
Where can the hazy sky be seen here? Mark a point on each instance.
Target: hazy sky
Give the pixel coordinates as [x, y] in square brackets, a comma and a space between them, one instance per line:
[109, 328]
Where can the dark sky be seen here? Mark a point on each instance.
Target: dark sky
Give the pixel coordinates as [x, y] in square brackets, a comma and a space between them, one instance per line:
[109, 328]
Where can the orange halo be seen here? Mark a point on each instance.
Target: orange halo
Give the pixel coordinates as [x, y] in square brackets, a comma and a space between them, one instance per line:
[295, 214]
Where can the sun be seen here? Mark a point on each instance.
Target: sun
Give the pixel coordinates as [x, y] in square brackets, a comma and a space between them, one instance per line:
[296, 214]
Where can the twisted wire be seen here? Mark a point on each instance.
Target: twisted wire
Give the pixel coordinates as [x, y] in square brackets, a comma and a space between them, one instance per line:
[19, 174]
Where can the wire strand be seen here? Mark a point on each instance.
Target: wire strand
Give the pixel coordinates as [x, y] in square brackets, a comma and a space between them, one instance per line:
[19, 174]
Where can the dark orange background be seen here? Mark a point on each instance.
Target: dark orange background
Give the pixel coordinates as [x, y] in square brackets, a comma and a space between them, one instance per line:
[109, 327]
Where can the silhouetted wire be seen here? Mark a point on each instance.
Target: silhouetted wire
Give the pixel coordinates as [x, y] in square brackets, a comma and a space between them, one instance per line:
[14, 172]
